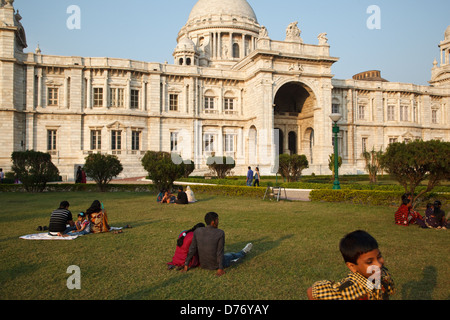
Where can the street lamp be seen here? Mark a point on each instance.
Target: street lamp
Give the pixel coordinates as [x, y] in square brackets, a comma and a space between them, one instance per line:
[335, 117]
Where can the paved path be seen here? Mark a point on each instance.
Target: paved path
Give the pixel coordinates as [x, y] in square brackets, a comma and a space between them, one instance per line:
[291, 194]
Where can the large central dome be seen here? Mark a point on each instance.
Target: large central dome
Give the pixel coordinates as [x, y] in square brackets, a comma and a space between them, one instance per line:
[239, 8]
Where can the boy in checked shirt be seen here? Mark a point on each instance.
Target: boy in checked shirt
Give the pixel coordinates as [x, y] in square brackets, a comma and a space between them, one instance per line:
[368, 279]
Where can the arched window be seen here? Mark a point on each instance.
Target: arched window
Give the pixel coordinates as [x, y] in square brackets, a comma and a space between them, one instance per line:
[236, 51]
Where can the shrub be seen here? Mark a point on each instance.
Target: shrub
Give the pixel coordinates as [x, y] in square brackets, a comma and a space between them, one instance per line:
[163, 168]
[34, 169]
[102, 168]
[370, 197]
[291, 166]
[221, 166]
[331, 164]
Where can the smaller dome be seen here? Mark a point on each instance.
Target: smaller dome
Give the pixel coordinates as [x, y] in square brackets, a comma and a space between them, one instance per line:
[447, 33]
[185, 44]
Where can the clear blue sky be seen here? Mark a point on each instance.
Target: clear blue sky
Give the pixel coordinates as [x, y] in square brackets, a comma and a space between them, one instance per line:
[146, 30]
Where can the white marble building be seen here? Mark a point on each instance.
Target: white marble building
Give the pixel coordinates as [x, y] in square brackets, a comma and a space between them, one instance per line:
[229, 86]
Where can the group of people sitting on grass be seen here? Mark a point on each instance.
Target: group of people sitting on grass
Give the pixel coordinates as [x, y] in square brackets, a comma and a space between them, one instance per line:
[94, 220]
[165, 196]
[434, 216]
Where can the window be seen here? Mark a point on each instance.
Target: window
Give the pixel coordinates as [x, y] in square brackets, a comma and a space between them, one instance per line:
[335, 108]
[117, 97]
[134, 99]
[52, 96]
[229, 143]
[96, 139]
[116, 140]
[392, 140]
[209, 105]
[236, 51]
[229, 106]
[135, 140]
[174, 141]
[391, 113]
[51, 140]
[404, 113]
[364, 144]
[434, 116]
[361, 112]
[173, 102]
[98, 97]
[208, 142]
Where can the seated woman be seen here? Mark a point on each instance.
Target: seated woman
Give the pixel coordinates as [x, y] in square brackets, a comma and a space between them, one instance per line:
[435, 217]
[183, 243]
[168, 197]
[98, 217]
[405, 215]
[190, 195]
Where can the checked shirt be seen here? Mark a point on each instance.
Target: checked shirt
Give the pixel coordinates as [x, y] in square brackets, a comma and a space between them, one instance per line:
[354, 287]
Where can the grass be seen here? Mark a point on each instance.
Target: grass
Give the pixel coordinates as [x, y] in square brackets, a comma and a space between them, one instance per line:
[295, 244]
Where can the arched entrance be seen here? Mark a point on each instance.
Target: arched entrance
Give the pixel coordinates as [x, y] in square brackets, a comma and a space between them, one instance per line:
[293, 115]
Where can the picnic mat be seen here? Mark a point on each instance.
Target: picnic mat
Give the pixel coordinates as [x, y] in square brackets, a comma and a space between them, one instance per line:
[46, 236]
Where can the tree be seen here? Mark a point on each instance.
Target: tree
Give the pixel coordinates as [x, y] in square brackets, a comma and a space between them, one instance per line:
[34, 169]
[373, 165]
[102, 168]
[412, 163]
[291, 166]
[221, 166]
[163, 169]
[331, 164]
[189, 167]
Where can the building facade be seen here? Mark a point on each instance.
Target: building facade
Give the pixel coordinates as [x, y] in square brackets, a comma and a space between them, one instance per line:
[231, 90]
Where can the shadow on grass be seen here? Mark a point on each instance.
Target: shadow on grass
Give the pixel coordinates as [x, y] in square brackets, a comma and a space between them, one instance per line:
[144, 293]
[421, 289]
[260, 246]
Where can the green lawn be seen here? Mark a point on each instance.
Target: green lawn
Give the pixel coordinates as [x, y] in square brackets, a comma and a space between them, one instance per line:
[295, 244]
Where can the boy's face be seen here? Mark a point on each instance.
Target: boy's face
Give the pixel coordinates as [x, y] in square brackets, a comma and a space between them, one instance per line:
[366, 260]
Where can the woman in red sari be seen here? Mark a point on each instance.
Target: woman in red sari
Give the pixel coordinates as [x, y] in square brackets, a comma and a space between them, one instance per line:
[183, 243]
[405, 215]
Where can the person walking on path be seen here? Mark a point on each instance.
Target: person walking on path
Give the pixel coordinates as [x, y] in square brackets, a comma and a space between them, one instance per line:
[249, 177]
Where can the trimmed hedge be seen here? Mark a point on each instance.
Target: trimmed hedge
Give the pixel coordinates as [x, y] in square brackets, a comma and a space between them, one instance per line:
[230, 191]
[89, 187]
[372, 197]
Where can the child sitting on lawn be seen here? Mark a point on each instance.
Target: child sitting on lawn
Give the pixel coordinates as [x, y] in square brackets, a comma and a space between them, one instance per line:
[83, 225]
[362, 256]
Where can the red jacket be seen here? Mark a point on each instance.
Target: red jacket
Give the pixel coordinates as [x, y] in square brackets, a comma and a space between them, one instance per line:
[181, 252]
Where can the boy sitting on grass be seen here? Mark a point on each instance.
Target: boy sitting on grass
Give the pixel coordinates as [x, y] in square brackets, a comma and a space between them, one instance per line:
[362, 257]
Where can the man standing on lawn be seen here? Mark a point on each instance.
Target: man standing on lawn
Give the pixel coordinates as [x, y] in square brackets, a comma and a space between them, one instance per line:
[209, 243]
